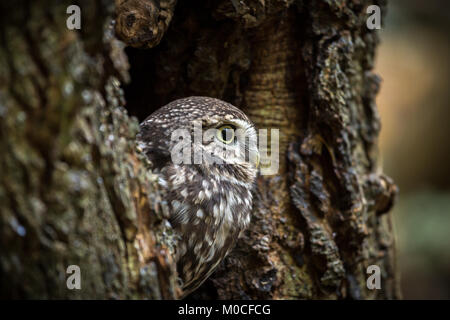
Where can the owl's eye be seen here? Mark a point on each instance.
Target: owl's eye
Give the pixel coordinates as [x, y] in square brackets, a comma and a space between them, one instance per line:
[225, 134]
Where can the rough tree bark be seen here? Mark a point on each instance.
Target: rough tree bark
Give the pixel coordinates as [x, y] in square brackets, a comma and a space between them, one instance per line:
[74, 189]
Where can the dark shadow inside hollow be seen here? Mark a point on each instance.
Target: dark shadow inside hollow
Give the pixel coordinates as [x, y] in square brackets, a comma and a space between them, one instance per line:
[199, 55]
[140, 100]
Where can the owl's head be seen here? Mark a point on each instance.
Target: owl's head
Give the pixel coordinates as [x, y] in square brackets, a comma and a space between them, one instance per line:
[205, 132]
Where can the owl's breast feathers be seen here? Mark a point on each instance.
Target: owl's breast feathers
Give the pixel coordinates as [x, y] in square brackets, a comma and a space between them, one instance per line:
[209, 210]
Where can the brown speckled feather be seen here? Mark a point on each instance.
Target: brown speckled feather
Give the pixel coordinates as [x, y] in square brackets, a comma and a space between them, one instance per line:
[210, 202]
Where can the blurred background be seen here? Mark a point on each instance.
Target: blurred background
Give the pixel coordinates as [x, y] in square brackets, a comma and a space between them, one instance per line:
[413, 60]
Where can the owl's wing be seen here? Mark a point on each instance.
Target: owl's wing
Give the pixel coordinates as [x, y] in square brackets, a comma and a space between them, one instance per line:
[179, 213]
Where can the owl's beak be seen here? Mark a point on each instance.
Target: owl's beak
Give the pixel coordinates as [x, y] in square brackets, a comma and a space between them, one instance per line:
[257, 160]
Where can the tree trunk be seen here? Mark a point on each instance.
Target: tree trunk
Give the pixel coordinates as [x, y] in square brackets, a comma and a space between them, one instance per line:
[74, 189]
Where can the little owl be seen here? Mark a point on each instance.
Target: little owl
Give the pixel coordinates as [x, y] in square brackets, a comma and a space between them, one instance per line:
[205, 153]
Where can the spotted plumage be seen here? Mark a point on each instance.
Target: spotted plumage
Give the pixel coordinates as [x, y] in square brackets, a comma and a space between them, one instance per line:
[211, 200]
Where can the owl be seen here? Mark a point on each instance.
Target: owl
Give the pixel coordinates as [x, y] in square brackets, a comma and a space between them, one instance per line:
[205, 153]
